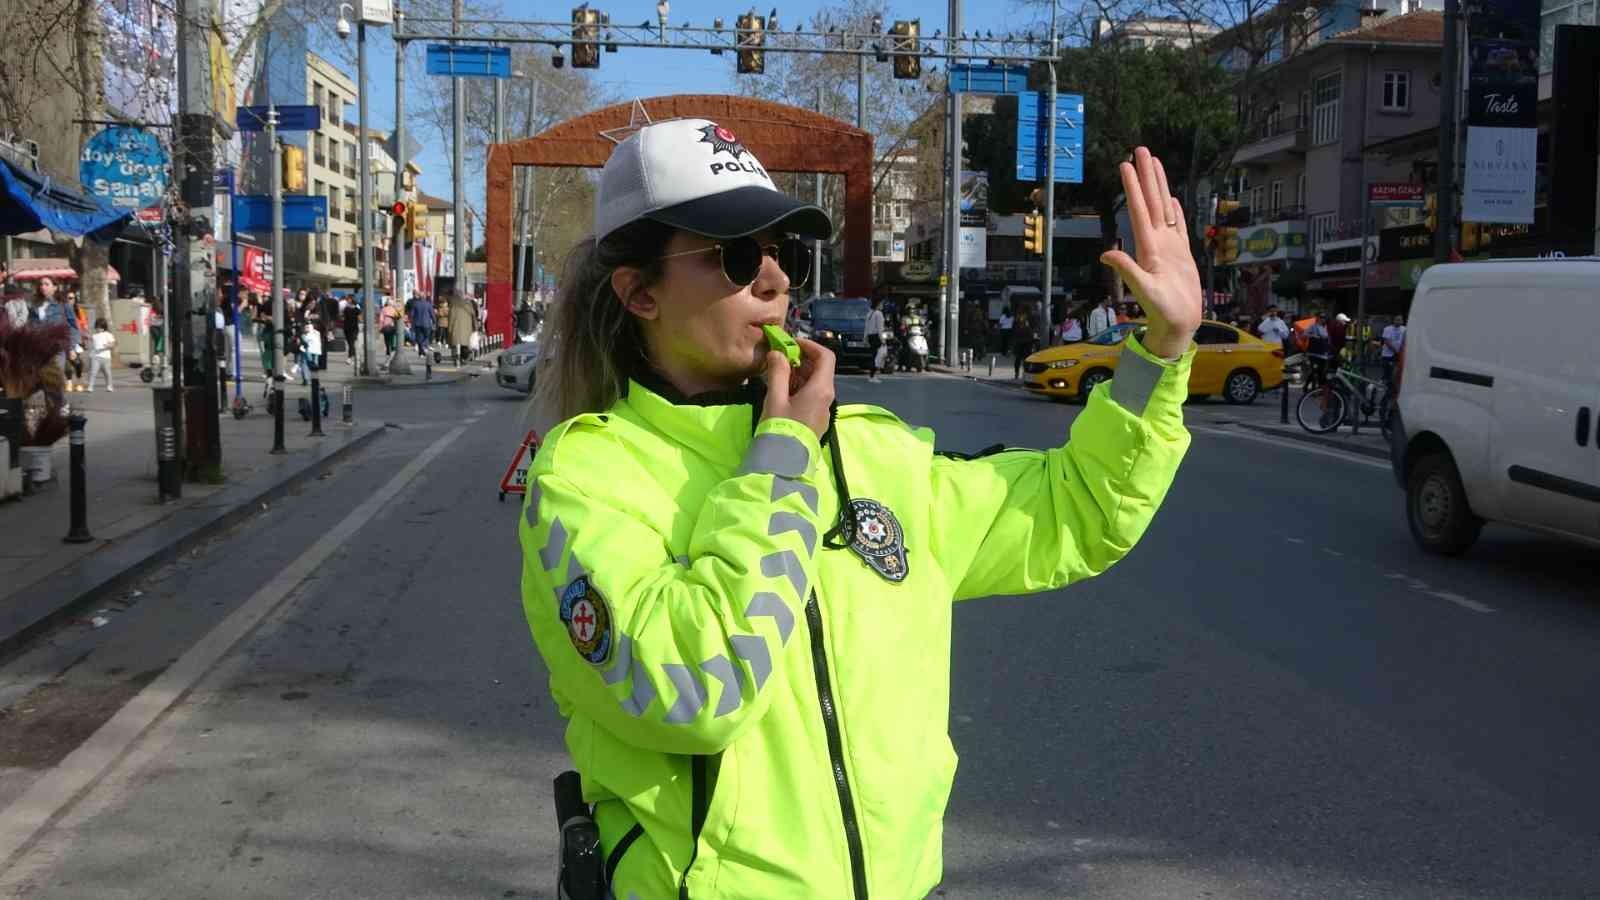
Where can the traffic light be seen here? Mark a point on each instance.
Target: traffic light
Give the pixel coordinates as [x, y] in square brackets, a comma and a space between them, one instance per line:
[907, 48]
[1232, 213]
[416, 221]
[397, 213]
[585, 27]
[294, 169]
[1227, 244]
[751, 31]
[1210, 242]
[1033, 233]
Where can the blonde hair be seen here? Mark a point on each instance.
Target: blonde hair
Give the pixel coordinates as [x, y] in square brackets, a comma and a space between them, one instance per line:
[591, 343]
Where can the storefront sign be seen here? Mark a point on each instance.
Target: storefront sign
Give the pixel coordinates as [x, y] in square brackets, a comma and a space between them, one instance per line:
[1405, 242]
[917, 270]
[124, 166]
[1335, 256]
[974, 248]
[1272, 241]
[1501, 174]
[1396, 193]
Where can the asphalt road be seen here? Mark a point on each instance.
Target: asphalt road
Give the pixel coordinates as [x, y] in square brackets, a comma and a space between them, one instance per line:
[1274, 696]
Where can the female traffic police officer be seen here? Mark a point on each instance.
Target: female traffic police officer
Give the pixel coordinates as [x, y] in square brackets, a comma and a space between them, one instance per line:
[743, 591]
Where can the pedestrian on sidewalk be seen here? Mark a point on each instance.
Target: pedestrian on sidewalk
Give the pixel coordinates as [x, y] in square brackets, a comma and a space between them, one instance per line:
[1102, 317]
[16, 305]
[1273, 329]
[1071, 331]
[389, 326]
[352, 328]
[1024, 339]
[310, 351]
[78, 353]
[422, 322]
[102, 343]
[48, 309]
[873, 328]
[461, 326]
[1394, 339]
[717, 644]
[1002, 333]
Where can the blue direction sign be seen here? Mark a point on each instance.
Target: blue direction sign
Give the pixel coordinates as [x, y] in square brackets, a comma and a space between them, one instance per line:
[253, 213]
[1032, 128]
[290, 118]
[967, 78]
[469, 61]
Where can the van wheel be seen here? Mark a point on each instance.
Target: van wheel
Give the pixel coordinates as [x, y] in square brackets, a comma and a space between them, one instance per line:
[1441, 520]
[1241, 388]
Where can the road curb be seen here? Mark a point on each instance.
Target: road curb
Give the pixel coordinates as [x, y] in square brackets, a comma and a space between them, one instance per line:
[95, 577]
[1320, 440]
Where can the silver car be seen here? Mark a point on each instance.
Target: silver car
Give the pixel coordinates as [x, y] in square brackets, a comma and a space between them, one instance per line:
[515, 369]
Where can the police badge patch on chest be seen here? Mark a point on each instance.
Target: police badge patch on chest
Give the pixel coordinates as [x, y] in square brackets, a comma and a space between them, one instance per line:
[878, 539]
[588, 620]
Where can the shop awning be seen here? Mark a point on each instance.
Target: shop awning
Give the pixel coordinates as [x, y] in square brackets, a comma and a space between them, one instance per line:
[30, 201]
[53, 267]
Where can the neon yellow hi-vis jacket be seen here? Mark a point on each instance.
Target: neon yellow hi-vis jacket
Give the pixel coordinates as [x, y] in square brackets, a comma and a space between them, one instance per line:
[756, 713]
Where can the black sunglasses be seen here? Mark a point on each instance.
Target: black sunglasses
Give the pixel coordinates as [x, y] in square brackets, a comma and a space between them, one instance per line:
[741, 259]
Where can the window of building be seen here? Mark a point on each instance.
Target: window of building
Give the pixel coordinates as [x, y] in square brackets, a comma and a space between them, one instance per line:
[1300, 192]
[1396, 91]
[1304, 112]
[1323, 228]
[880, 248]
[1258, 202]
[318, 94]
[335, 108]
[317, 150]
[1327, 93]
[1275, 202]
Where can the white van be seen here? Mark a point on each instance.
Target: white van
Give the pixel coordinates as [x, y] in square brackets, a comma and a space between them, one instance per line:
[1499, 405]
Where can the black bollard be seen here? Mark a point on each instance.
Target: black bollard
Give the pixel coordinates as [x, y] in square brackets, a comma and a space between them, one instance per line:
[78, 533]
[316, 409]
[349, 407]
[169, 485]
[1283, 401]
[277, 415]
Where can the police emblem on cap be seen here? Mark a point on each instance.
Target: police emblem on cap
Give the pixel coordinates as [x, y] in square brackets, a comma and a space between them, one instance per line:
[588, 620]
[722, 141]
[878, 539]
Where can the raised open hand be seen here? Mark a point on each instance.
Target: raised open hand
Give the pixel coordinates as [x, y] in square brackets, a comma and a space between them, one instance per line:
[1164, 278]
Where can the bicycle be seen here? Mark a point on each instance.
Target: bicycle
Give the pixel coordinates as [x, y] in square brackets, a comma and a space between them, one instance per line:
[1346, 396]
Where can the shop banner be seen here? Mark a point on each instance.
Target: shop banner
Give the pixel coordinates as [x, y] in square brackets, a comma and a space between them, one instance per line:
[974, 248]
[974, 200]
[1501, 174]
[255, 270]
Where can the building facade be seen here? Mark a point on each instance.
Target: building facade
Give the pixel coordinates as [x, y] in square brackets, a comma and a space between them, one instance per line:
[332, 172]
[891, 209]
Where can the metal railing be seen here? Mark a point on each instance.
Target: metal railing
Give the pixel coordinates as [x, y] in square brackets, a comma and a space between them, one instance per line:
[322, 256]
[321, 159]
[1276, 126]
[350, 260]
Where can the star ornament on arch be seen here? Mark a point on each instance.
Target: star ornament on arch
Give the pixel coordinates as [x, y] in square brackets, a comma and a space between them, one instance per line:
[638, 117]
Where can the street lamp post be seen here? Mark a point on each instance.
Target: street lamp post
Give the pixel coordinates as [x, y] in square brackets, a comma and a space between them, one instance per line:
[364, 160]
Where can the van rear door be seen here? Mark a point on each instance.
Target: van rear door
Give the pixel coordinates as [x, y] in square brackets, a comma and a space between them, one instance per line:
[1545, 458]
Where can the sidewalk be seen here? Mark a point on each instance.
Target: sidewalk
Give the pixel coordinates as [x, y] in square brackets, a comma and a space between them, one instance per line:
[1262, 416]
[43, 579]
[339, 371]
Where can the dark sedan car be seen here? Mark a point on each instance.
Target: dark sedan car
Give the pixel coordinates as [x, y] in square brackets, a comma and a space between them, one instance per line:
[839, 323]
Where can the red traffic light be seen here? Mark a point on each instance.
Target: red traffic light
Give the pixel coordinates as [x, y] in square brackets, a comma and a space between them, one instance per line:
[398, 209]
[1211, 232]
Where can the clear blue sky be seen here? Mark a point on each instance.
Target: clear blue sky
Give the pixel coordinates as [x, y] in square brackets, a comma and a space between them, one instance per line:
[638, 72]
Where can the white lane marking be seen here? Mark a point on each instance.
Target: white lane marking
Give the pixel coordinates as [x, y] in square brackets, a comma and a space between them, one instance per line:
[1331, 552]
[1295, 540]
[1290, 445]
[1459, 600]
[49, 798]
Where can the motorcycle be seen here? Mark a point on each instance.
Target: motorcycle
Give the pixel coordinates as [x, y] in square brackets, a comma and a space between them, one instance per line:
[891, 352]
[914, 354]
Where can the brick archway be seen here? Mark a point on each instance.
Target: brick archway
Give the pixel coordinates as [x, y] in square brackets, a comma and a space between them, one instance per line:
[784, 138]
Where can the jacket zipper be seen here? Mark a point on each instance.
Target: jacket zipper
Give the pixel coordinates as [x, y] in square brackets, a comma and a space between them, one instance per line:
[830, 722]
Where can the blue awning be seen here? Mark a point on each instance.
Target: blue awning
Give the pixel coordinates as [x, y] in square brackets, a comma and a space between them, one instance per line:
[30, 201]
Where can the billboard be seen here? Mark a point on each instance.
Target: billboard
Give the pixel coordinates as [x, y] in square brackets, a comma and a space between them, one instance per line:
[974, 200]
[1502, 112]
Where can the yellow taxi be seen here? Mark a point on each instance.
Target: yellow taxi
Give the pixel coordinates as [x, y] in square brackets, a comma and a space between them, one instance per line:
[1230, 362]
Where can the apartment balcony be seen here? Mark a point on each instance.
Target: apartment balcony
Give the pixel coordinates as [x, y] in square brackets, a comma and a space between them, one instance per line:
[322, 257]
[1277, 139]
[350, 216]
[1277, 214]
[350, 261]
[321, 159]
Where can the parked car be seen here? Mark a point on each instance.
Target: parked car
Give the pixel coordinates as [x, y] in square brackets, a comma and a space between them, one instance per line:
[515, 369]
[1499, 406]
[1230, 362]
[839, 323]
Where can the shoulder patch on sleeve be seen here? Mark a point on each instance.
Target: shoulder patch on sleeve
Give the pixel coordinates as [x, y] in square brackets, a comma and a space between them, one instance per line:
[588, 619]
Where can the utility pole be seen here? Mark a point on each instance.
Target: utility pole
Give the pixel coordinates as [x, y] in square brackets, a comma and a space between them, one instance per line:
[458, 112]
[398, 364]
[368, 312]
[1449, 98]
[1048, 232]
[278, 336]
[952, 295]
[526, 217]
[196, 273]
[816, 249]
